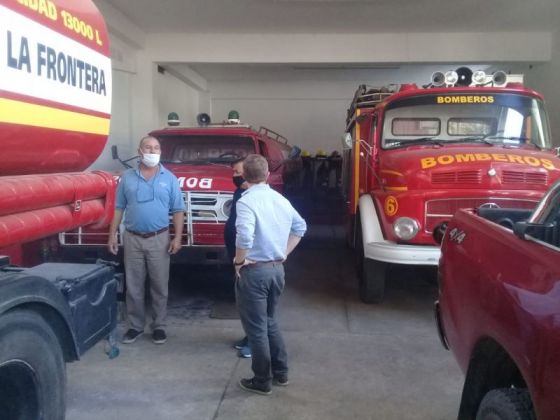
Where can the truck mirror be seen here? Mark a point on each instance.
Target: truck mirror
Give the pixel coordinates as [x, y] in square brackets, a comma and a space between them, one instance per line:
[347, 141]
[114, 152]
[536, 230]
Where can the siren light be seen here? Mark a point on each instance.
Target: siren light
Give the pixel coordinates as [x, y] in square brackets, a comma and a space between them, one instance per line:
[438, 79]
[465, 76]
[499, 78]
[203, 119]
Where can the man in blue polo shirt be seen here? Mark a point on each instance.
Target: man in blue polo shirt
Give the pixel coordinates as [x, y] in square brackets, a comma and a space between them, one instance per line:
[147, 194]
[268, 229]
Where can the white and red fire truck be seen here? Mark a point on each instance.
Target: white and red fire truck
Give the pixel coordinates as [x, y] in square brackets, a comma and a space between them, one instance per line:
[415, 155]
[201, 158]
[55, 108]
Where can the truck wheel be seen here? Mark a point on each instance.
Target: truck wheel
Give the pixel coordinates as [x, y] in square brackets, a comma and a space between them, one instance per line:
[506, 404]
[371, 273]
[32, 370]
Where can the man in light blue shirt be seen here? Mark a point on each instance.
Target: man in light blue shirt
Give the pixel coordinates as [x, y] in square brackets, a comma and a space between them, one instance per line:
[148, 194]
[268, 229]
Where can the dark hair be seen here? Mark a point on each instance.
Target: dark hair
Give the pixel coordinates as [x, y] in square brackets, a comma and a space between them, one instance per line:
[255, 169]
[236, 161]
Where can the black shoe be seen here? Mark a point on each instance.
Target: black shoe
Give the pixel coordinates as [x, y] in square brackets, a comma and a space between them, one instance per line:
[251, 386]
[159, 336]
[280, 380]
[131, 336]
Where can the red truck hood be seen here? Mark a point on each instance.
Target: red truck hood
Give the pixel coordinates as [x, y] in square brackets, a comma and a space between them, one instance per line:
[472, 166]
[203, 177]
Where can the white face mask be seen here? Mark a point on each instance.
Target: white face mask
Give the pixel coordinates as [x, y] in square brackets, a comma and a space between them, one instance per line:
[150, 159]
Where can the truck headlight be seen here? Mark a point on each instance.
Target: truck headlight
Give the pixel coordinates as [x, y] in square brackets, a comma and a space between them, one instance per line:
[405, 228]
[226, 207]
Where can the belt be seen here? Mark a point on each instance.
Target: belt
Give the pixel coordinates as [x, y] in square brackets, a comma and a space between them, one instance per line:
[263, 264]
[149, 234]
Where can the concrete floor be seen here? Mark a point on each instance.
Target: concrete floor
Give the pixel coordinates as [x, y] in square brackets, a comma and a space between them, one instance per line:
[347, 360]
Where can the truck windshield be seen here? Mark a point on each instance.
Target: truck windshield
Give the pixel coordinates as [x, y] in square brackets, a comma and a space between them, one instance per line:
[204, 149]
[505, 119]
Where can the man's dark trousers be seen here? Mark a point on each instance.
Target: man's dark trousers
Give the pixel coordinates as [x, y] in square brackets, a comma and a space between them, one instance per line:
[258, 292]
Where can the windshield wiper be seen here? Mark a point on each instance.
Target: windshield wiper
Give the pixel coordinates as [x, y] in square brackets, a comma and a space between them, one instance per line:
[421, 140]
[519, 139]
[472, 139]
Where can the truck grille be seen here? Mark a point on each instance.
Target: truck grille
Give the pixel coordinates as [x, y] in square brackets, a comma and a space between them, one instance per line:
[211, 207]
[516, 177]
[206, 215]
[440, 210]
[457, 177]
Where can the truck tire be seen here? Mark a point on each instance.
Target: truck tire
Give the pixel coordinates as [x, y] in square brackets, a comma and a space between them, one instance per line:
[32, 370]
[506, 404]
[371, 273]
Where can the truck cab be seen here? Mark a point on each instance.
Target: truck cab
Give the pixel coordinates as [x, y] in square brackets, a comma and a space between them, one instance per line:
[415, 155]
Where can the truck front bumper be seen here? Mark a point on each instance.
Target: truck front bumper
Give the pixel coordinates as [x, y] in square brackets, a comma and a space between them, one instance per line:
[394, 253]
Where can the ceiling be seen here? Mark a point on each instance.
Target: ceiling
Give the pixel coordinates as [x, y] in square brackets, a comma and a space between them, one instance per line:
[332, 17]
[340, 16]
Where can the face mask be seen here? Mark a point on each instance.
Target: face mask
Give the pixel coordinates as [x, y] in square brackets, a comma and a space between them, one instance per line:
[238, 180]
[150, 159]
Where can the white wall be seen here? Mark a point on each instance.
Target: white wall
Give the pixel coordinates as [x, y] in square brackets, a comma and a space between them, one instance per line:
[545, 78]
[174, 95]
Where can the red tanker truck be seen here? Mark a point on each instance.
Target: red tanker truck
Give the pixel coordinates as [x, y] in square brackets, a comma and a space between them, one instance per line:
[55, 100]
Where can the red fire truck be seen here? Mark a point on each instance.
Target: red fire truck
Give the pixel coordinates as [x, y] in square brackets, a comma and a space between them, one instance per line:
[55, 106]
[201, 158]
[415, 155]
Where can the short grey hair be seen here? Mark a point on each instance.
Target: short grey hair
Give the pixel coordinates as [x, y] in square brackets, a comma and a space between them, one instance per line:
[143, 139]
[255, 169]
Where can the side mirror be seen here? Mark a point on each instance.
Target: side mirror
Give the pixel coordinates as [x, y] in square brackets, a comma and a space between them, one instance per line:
[114, 152]
[347, 141]
[535, 230]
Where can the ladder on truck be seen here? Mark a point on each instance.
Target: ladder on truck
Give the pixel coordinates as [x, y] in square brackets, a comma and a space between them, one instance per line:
[366, 97]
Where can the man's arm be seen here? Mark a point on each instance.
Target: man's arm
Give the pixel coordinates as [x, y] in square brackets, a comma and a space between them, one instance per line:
[293, 240]
[298, 229]
[113, 243]
[245, 228]
[178, 223]
[177, 206]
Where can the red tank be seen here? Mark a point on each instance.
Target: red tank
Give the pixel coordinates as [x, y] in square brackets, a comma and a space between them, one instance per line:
[55, 89]
[55, 110]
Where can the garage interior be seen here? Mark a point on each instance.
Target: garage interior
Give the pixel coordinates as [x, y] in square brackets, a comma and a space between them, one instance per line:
[293, 66]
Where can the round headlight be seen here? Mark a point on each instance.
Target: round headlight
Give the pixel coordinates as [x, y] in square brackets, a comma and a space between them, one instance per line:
[479, 77]
[226, 207]
[451, 77]
[405, 228]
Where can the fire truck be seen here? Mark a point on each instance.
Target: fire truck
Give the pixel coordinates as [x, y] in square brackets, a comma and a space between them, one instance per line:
[201, 156]
[415, 155]
[55, 106]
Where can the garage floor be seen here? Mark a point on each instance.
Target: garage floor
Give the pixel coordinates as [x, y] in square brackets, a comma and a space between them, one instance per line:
[348, 360]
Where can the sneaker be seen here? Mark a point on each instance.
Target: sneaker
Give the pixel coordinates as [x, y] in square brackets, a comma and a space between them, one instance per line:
[159, 336]
[131, 336]
[244, 352]
[241, 343]
[251, 386]
[280, 381]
